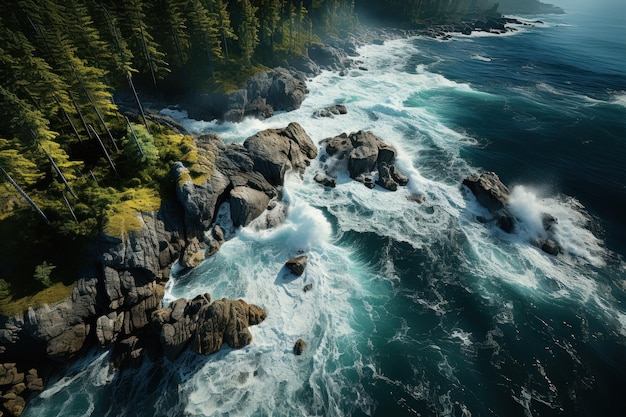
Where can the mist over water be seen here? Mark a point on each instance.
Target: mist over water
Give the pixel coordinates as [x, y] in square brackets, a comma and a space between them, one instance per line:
[420, 309]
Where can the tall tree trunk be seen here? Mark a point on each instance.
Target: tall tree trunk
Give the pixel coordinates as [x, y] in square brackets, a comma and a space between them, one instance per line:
[104, 150]
[26, 197]
[60, 174]
[69, 206]
[80, 114]
[143, 115]
[135, 136]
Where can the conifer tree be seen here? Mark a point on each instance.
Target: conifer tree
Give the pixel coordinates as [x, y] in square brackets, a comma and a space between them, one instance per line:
[146, 52]
[220, 8]
[248, 32]
[205, 31]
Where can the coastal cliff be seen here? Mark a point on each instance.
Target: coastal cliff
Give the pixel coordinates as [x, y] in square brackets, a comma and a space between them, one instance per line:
[117, 301]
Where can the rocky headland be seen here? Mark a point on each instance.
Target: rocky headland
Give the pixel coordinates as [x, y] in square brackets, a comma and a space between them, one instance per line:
[117, 300]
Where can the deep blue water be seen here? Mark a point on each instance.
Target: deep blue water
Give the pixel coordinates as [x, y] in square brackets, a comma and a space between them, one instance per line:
[419, 309]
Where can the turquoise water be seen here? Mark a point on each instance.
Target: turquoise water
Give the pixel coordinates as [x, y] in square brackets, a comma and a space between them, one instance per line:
[419, 309]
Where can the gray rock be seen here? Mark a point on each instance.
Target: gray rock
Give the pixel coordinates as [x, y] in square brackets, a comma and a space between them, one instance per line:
[338, 146]
[331, 111]
[551, 247]
[246, 204]
[385, 179]
[108, 327]
[274, 151]
[307, 287]
[325, 180]
[303, 65]
[299, 347]
[494, 196]
[362, 160]
[193, 254]
[205, 326]
[489, 190]
[397, 176]
[328, 57]
[297, 264]
[367, 180]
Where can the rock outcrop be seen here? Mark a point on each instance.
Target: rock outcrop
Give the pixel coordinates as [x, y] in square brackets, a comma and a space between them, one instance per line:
[247, 177]
[278, 89]
[494, 196]
[491, 193]
[297, 264]
[331, 111]
[121, 289]
[329, 57]
[205, 326]
[363, 153]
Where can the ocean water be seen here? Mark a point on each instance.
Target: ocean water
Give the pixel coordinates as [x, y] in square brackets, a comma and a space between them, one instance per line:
[419, 309]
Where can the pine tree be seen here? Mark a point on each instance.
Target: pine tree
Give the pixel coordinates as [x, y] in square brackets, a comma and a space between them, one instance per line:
[168, 14]
[146, 52]
[220, 8]
[248, 32]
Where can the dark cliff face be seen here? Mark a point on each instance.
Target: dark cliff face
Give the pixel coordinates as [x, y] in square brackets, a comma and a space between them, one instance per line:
[527, 7]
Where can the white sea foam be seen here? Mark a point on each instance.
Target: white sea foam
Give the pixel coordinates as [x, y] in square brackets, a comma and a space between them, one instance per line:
[620, 99]
[478, 57]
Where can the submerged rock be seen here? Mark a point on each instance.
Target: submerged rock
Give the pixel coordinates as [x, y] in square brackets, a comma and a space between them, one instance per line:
[325, 180]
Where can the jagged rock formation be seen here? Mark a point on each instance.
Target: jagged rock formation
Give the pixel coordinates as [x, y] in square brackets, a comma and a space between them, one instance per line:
[329, 57]
[494, 196]
[364, 153]
[205, 326]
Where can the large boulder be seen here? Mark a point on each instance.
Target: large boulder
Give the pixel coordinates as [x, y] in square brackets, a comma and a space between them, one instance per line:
[494, 196]
[246, 204]
[274, 151]
[297, 264]
[205, 326]
[489, 190]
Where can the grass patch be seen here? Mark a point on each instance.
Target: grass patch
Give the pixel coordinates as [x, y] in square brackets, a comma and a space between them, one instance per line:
[55, 293]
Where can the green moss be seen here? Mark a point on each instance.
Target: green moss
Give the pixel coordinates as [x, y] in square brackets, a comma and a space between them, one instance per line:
[55, 293]
[124, 216]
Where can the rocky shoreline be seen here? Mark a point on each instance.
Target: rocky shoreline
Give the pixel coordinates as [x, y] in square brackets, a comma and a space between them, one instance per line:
[117, 302]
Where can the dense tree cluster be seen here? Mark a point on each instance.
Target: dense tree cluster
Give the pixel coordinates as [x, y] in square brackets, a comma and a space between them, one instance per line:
[67, 151]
